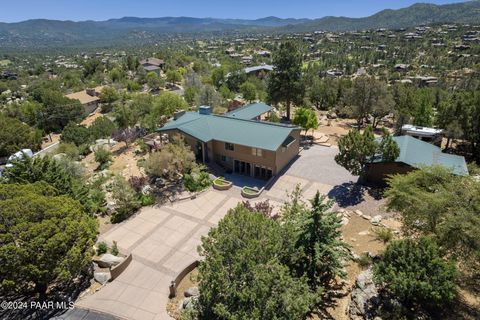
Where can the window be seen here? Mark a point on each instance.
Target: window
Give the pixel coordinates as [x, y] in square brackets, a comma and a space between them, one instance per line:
[229, 146]
[257, 152]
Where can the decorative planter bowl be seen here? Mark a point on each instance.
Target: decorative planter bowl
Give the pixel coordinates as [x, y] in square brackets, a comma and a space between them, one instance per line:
[250, 193]
[221, 184]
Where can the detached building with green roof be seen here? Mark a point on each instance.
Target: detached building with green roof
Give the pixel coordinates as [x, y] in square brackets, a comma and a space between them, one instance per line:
[414, 154]
[238, 141]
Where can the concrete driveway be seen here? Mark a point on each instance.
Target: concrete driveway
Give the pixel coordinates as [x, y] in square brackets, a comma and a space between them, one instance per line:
[163, 240]
[314, 169]
[317, 164]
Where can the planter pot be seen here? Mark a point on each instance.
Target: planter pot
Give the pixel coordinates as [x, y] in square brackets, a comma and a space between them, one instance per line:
[221, 184]
[250, 193]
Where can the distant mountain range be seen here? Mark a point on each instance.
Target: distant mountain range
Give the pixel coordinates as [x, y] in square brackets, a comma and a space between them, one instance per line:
[416, 14]
[42, 32]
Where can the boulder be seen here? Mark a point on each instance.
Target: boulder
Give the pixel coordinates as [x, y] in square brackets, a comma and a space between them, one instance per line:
[366, 217]
[192, 292]
[102, 277]
[147, 189]
[332, 115]
[344, 221]
[364, 298]
[376, 220]
[108, 260]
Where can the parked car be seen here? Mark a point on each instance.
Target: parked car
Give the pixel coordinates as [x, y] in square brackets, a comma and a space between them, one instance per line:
[20, 155]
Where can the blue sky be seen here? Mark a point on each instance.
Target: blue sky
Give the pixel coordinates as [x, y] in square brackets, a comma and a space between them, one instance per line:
[19, 10]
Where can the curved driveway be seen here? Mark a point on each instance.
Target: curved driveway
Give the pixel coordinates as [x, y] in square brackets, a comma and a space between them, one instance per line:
[163, 240]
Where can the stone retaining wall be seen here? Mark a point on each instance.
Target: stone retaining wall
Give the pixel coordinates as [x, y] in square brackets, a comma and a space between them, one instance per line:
[179, 278]
[118, 269]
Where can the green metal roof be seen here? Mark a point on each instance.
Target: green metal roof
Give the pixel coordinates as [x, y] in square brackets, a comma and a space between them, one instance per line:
[417, 153]
[256, 134]
[250, 111]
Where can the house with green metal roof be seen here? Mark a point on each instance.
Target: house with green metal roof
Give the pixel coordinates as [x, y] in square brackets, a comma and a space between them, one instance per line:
[250, 111]
[414, 154]
[237, 140]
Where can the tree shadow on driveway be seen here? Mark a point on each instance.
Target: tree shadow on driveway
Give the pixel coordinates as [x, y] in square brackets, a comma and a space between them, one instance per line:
[352, 193]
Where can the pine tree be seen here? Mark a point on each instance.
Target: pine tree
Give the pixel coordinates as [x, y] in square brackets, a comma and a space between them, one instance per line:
[324, 254]
[285, 83]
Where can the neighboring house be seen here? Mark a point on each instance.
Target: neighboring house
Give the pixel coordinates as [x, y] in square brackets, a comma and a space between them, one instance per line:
[236, 142]
[153, 65]
[154, 69]
[430, 135]
[414, 154]
[426, 81]
[259, 71]
[89, 98]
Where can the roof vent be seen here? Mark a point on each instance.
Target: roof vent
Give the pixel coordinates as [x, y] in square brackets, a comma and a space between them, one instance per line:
[206, 110]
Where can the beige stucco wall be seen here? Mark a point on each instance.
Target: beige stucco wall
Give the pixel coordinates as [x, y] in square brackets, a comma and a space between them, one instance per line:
[285, 156]
[244, 153]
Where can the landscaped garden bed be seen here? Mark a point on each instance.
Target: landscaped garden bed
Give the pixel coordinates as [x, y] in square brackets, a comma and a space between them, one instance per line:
[250, 193]
[221, 184]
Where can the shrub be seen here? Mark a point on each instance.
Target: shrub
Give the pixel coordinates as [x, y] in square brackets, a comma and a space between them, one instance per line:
[126, 199]
[174, 159]
[414, 272]
[383, 234]
[77, 134]
[103, 157]
[114, 249]
[102, 248]
[70, 149]
[147, 200]
[142, 145]
[137, 183]
[84, 149]
[197, 181]
[364, 260]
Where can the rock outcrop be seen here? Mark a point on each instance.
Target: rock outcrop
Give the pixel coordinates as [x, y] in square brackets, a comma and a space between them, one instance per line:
[365, 298]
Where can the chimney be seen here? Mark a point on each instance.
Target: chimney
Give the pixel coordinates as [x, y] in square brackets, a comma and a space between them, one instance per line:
[206, 110]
